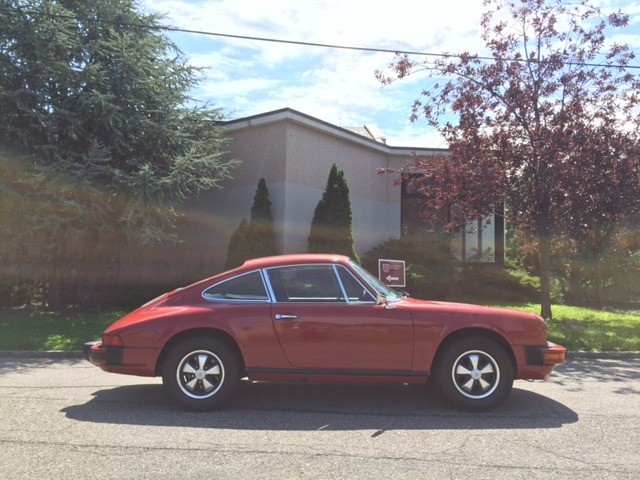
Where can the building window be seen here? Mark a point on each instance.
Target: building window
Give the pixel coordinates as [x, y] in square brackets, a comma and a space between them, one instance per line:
[481, 241]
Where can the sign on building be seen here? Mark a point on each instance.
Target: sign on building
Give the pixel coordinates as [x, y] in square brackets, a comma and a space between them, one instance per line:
[392, 272]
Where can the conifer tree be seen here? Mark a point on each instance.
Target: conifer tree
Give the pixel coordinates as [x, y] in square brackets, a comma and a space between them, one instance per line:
[99, 137]
[331, 230]
[239, 248]
[263, 235]
[255, 238]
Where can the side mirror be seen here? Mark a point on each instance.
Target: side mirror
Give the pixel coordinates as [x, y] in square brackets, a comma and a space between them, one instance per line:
[382, 300]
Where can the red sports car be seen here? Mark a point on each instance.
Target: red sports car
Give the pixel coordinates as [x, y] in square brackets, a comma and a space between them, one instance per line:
[321, 318]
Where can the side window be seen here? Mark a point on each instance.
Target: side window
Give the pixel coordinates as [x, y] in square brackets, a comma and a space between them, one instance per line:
[305, 283]
[355, 290]
[245, 288]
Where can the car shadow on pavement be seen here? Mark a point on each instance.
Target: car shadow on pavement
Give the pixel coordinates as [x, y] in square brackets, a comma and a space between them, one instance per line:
[277, 406]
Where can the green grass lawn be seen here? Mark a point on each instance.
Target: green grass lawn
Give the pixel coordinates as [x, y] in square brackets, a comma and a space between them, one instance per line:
[21, 331]
[574, 327]
[590, 330]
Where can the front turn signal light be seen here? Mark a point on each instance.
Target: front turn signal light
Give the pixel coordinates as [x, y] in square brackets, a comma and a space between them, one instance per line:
[554, 354]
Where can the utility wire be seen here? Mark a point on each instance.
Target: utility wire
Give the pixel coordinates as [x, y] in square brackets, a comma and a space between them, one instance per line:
[309, 44]
[381, 50]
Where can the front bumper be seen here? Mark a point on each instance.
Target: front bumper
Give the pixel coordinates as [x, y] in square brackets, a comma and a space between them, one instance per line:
[540, 361]
[550, 354]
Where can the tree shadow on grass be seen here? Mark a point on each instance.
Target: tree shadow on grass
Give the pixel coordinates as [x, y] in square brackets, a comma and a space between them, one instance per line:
[293, 407]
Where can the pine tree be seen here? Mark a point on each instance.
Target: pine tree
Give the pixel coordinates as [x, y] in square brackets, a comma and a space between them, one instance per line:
[255, 238]
[263, 235]
[100, 137]
[331, 230]
[239, 248]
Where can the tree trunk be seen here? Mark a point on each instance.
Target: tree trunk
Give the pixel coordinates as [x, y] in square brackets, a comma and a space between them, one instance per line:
[545, 277]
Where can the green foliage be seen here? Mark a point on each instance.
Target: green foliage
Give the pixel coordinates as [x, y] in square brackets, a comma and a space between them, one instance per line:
[554, 137]
[579, 328]
[607, 276]
[99, 141]
[624, 286]
[430, 267]
[256, 238]
[479, 282]
[23, 331]
[331, 230]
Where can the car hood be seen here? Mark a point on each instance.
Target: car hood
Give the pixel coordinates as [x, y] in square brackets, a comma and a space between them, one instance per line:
[464, 309]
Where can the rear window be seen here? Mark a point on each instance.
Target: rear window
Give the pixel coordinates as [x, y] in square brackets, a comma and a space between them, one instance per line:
[245, 288]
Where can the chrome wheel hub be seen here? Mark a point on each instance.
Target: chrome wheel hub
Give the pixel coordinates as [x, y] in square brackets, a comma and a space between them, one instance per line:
[475, 374]
[200, 374]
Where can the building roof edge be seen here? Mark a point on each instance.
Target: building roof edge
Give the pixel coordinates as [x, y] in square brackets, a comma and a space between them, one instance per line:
[289, 114]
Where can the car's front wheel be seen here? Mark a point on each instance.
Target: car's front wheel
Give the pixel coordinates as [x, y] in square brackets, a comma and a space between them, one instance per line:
[475, 373]
[201, 373]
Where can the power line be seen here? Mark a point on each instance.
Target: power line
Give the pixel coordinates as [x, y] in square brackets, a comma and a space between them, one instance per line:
[380, 50]
[310, 44]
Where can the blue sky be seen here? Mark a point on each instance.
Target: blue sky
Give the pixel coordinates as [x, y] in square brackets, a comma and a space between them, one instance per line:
[338, 86]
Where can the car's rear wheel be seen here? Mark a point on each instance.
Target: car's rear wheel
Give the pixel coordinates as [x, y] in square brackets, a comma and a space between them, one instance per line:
[475, 374]
[201, 373]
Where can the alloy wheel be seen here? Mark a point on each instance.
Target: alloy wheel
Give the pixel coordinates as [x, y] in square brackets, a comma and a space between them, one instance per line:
[475, 374]
[200, 374]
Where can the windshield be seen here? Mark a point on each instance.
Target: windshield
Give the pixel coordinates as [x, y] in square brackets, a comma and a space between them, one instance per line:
[389, 293]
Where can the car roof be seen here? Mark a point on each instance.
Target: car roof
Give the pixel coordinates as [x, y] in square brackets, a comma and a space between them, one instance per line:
[293, 259]
[269, 262]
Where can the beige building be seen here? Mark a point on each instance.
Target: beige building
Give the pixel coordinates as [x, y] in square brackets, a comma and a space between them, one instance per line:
[294, 152]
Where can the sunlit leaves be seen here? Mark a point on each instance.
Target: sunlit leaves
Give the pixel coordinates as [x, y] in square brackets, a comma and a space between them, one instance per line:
[549, 125]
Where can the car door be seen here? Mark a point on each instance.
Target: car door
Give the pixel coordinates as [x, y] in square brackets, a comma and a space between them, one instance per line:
[326, 319]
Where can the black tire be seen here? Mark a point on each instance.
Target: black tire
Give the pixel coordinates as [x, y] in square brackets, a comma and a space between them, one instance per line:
[201, 373]
[474, 374]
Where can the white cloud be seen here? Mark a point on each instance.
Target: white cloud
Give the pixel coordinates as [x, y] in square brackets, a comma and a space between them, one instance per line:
[247, 77]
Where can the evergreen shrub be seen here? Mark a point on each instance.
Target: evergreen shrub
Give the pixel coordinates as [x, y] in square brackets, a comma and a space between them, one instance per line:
[331, 229]
[430, 267]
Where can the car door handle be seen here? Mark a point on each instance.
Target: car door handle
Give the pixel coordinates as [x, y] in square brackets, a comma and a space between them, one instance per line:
[284, 316]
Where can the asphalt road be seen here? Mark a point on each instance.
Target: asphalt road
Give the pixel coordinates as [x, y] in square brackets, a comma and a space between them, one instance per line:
[68, 419]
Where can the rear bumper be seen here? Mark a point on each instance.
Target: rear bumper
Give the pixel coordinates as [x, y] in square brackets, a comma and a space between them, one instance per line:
[118, 359]
[103, 355]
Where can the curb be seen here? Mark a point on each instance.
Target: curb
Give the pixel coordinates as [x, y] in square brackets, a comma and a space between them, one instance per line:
[40, 354]
[578, 355]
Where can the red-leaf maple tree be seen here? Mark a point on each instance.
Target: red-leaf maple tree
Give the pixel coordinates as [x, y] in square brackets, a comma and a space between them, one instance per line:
[547, 123]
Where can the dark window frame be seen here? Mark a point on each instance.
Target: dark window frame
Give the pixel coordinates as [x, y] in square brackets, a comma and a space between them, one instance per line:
[498, 222]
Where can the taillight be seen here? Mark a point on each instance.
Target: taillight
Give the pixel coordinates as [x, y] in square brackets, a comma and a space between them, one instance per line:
[112, 340]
